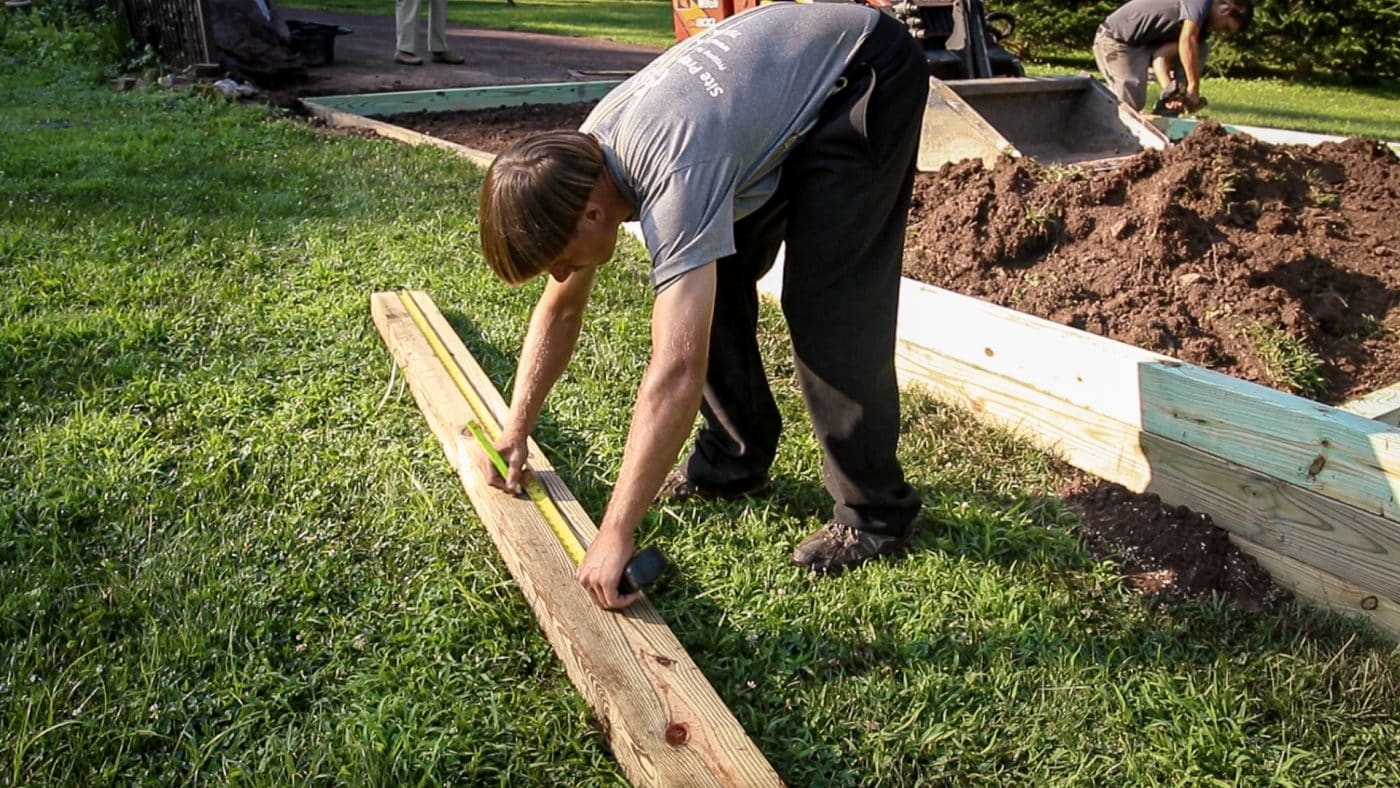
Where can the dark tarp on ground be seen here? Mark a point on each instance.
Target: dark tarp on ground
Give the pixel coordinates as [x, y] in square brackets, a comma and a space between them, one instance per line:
[252, 42]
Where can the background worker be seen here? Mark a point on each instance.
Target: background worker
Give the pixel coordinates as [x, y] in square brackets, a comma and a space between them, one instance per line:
[1168, 37]
[788, 123]
[406, 33]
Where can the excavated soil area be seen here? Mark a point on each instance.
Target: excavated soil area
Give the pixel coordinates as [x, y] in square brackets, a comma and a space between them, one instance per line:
[493, 130]
[1276, 264]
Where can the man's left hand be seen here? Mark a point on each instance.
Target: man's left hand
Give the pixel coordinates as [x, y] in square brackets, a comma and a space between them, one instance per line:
[600, 574]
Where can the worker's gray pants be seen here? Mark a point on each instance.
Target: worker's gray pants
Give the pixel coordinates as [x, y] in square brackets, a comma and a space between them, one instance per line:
[406, 23]
[841, 208]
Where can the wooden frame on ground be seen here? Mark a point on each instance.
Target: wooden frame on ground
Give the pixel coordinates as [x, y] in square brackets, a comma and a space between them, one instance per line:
[1311, 491]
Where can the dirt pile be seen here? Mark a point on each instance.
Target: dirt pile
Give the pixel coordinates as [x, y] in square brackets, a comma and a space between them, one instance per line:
[1168, 552]
[1277, 264]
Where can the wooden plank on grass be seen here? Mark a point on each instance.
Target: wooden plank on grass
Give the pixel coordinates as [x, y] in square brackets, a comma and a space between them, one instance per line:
[664, 722]
[398, 102]
[337, 118]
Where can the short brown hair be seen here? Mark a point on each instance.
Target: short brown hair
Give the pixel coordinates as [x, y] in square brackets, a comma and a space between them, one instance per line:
[532, 199]
[1241, 11]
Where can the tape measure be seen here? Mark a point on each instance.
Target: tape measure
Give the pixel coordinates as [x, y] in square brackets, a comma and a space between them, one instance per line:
[644, 567]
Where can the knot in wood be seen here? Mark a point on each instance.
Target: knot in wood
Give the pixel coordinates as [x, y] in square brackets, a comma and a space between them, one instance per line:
[677, 734]
[1316, 467]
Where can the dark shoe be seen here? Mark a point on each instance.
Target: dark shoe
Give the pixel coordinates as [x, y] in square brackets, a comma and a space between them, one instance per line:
[835, 547]
[677, 488]
[448, 57]
[407, 58]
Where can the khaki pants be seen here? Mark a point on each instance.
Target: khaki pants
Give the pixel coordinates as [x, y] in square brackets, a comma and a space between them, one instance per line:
[406, 19]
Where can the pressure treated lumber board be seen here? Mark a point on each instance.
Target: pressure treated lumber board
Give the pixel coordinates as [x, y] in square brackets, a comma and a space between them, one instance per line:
[337, 118]
[665, 723]
[1330, 591]
[397, 102]
[1295, 522]
[1382, 405]
[1349, 458]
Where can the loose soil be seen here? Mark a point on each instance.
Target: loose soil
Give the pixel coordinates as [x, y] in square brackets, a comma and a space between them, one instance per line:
[1220, 251]
[1275, 264]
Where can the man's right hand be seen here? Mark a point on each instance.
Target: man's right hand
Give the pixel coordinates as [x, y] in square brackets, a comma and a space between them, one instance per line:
[514, 452]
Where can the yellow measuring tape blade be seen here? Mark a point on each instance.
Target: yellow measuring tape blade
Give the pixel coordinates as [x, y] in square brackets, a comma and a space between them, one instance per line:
[536, 492]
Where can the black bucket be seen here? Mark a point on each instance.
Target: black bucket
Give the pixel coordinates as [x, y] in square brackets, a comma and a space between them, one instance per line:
[314, 41]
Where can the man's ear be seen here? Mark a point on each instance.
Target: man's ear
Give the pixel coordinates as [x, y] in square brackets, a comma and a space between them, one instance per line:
[593, 212]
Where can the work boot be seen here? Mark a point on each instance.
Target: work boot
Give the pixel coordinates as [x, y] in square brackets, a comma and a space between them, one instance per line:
[836, 547]
[446, 56]
[407, 58]
[677, 489]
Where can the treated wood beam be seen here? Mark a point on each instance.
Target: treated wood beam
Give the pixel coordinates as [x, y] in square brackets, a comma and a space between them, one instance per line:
[664, 722]
[1382, 405]
[1309, 582]
[1082, 397]
[398, 102]
[1348, 458]
[1297, 523]
[337, 118]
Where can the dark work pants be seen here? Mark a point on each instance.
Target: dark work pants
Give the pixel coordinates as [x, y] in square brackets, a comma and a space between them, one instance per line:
[841, 208]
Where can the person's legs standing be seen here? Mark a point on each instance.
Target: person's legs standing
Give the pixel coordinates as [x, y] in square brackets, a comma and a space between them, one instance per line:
[849, 187]
[406, 25]
[437, 27]
[739, 437]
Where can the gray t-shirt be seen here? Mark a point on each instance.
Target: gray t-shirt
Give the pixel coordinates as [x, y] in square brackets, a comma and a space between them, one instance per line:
[1155, 22]
[695, 139]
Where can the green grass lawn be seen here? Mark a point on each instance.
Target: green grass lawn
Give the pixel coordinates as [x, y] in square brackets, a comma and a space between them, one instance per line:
[231, 551]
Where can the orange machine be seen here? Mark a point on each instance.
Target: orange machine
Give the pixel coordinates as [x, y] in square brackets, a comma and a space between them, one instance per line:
[693, 17]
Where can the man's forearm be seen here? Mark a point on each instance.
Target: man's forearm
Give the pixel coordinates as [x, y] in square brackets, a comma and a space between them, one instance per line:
[549, 344]
[667, 402]
[1191, 63]
[668, 397]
